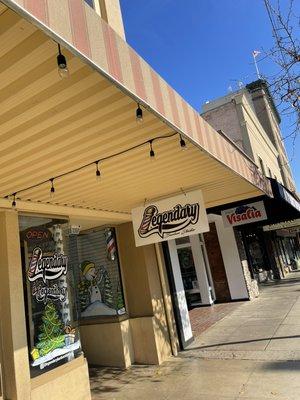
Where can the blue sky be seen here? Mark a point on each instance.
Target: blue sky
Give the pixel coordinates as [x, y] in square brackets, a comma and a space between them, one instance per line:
[202, 47]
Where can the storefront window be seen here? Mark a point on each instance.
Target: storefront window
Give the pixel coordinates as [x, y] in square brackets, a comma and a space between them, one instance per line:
[98, 282]
[68, 275]
[53, 335]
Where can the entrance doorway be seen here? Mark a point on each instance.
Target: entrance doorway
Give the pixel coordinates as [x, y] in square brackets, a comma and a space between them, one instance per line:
[190, 280]
[195, 271]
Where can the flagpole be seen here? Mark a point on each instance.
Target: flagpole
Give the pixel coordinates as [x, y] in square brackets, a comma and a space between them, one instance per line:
[256, 66]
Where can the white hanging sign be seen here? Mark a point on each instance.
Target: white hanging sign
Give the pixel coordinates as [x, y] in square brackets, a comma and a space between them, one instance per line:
[244, 214]
[171, 218]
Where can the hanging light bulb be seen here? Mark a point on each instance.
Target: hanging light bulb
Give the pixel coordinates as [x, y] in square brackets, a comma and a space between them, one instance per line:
[63, 71]
[14, 203]
[52, 189]
[151, 153]
[182, 143]
[139, 114]
[98, 173]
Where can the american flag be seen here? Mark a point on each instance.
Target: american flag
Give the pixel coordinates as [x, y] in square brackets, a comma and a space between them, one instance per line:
[255, 53]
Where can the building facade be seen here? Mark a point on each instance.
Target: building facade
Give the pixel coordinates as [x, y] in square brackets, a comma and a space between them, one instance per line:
[76, 158]
[250, 118]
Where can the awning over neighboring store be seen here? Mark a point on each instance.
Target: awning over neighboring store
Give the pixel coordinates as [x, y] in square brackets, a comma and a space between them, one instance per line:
[293, 225]
[284, 195]
[283, 209]
[50, 126]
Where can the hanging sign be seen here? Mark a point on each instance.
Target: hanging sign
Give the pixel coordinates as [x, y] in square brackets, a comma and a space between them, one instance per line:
[170, 218]
[244, 214]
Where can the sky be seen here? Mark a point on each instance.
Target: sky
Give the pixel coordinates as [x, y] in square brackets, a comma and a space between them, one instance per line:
[204, 47]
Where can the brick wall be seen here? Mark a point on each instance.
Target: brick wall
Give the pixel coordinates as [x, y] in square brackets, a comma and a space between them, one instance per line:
[216, 264]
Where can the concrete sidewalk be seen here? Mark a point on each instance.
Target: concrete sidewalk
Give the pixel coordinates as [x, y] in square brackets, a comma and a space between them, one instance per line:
[267, 328]
[253, 353]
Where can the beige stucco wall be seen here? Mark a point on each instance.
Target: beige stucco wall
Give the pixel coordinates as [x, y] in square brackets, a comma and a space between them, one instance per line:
[236, 117]
[159, 320]
[14, 341]
[225, 118]
[110, 11]
[270, 123]
[108, 343]
[144, 298]
[261, 144]
[69, 381]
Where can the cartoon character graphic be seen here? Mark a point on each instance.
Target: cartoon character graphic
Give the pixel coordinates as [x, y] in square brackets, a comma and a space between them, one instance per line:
[95, 291]
[91, 275]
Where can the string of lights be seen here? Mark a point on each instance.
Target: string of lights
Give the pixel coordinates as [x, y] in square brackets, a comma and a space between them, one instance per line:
[64, 73]
[97, 164]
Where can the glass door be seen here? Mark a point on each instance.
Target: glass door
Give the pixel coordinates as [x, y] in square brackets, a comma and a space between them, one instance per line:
[195, 271]
[188, 272]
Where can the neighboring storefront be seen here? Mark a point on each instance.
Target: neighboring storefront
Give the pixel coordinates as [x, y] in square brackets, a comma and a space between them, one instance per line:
[289, 234]
[267, 233]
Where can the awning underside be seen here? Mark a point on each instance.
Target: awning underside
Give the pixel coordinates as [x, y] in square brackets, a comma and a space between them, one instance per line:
[49, 126]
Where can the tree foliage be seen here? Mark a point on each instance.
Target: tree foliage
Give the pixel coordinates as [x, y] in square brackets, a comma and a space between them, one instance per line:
[285, 84]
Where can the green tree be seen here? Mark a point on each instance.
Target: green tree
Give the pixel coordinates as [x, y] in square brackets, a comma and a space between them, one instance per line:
[284, 85]
[108, 298]
[119, 302]
[51, 334]
[83, 294]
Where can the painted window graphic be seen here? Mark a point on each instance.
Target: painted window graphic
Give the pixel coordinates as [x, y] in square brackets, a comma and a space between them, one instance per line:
[68, 275]
[98, 282]
[53, 335]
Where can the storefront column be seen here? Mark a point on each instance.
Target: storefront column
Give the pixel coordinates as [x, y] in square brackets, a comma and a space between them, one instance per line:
[144, 297]
[226, 241]
[15, 369]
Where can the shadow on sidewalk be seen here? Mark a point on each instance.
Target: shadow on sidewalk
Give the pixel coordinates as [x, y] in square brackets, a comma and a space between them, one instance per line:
[242, 342]
[281, 366]
[112, 380]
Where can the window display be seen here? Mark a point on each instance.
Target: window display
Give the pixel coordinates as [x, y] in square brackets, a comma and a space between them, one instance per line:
[53, 336]
[68, 275]
[99, 285]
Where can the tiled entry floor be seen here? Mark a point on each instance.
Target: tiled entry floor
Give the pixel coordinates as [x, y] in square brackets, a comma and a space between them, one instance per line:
[203, 318]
